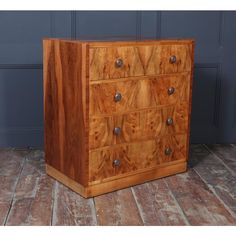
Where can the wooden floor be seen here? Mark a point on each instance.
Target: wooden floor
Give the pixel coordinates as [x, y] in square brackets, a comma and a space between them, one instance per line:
[205, 195]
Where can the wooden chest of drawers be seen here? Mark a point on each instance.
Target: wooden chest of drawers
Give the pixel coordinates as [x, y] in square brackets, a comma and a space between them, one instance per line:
[116, 113]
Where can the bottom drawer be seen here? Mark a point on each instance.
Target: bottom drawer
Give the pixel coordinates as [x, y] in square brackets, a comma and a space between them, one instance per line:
[124, 158]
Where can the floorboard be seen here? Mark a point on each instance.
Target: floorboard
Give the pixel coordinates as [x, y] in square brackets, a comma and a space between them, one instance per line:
[198, 202]
[157, 204]
[72, 209]
[226, 153]
[117, 208]
[215, 174]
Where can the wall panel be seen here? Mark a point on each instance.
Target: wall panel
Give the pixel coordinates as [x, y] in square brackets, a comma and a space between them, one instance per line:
[21, 107]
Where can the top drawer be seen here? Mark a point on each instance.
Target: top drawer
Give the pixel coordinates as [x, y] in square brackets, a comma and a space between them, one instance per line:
[129, 61]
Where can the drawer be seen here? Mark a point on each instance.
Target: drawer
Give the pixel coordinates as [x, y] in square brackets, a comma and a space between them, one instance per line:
[121, 159]
[123, 96]
[129, 61]
[138, 126]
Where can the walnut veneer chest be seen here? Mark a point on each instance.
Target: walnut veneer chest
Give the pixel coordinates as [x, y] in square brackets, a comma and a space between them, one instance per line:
[116, 113]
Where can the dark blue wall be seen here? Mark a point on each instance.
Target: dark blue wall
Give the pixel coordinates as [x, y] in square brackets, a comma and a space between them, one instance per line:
[21, 82]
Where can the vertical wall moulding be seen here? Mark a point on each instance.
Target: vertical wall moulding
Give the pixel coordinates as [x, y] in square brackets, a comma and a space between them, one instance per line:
[73, 24]
[234, 118]
[217, 99]
[221, 25]
[52, 24]
[158, 24]
[138, 24]
[217, 105]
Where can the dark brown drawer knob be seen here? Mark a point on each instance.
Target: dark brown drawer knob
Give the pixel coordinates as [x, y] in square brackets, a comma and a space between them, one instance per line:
[117, 97]
[119, 63]
[173, 59]
[168, 151]
[117, 130]
[116, 163]
[170, 90]
[169, 121]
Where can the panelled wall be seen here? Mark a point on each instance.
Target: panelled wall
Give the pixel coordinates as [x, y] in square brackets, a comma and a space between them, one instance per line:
[21, 82]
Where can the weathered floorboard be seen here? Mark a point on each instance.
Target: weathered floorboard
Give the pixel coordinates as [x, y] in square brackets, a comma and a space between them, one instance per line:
[32, 200]
[117, 208]
[4, 208]
[11, 163]
[157, 205]
[227, 153]
[20, 211]
[214, 173]
[35, 207]
[7, 187]
[72, 209]
[41, 207]
[197, 201]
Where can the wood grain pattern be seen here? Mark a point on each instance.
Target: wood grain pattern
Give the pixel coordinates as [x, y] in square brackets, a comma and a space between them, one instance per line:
[96, 188]
[125, 43]
[138, 126]
[65, 107]
[33, 208]
[72, 209]
[226, 153]
[4, 208]
[138, 93]
[57, 175]
[221, 179]
[32, 198]
[124, 210]
[135, 156]
[197, 201]
[138, 60]
[11, 161]
[157, 204]
[190, 98]
[30, 175]
[8, 185]
[80, 81]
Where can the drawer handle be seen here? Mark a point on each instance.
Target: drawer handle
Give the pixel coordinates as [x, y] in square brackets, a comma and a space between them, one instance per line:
[170, 90]
[117, 130]
[173, 59]
[117, 97]
[116, 163]
[119, 63]
[168, 151]
[169, 121]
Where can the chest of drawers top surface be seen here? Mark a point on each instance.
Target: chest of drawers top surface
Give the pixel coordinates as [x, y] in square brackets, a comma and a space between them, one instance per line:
[116, 113]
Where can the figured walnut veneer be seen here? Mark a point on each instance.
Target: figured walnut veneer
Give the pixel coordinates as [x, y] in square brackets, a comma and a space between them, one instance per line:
[81, 79]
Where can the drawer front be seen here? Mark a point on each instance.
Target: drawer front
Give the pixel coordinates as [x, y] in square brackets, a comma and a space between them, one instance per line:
[124, 96]
[138, 126]
[121, 62]
[121, 159]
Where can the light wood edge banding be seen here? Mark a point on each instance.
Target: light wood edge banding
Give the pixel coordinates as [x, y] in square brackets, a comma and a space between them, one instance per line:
[105, 187]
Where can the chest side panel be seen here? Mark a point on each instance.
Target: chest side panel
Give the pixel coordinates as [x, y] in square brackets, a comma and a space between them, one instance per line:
[65, 104]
